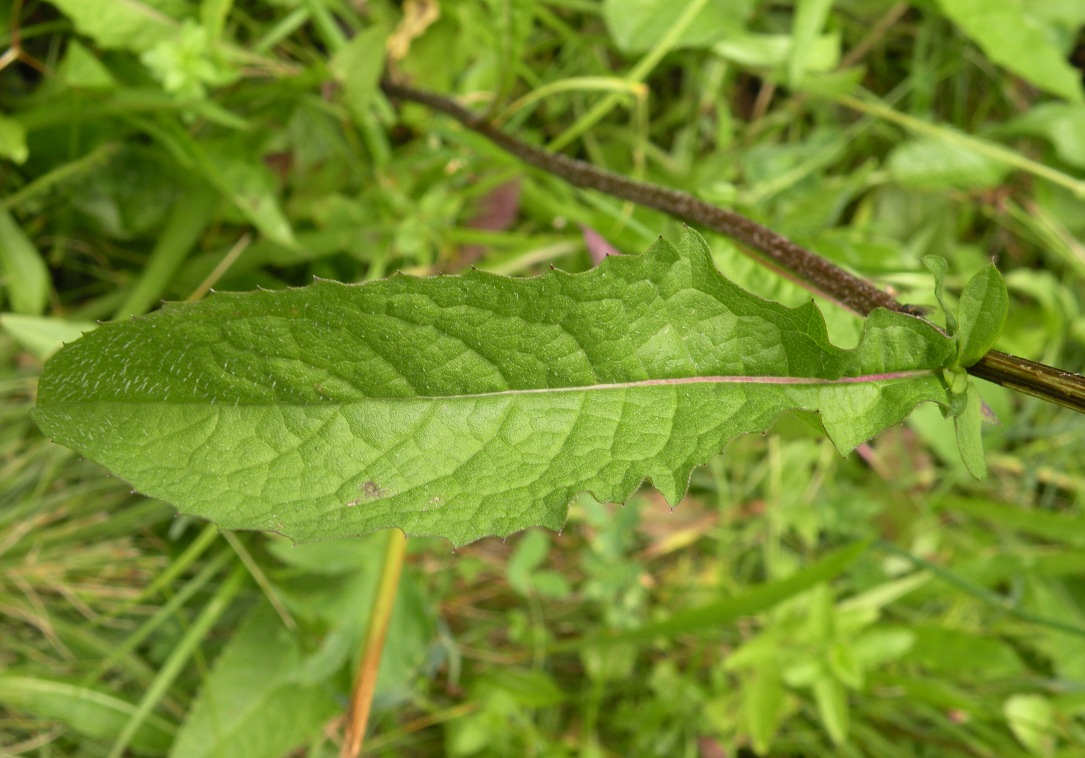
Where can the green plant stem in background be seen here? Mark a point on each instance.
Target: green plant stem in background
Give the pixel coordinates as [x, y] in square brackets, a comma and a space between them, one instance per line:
[816, 273]
[873, 107]
[187, 221]
[365, 680]
[635, 76]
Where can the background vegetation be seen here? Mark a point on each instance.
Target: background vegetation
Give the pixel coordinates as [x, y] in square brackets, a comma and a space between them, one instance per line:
[155, 148]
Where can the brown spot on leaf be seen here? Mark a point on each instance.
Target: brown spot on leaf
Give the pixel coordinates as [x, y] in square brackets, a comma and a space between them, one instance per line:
[372, 490]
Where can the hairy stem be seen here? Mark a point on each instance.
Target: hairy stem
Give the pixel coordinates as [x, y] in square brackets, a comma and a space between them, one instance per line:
[816, 273]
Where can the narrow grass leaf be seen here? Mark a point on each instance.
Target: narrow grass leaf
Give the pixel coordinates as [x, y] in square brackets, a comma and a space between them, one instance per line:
[87, 711]
[186, 222]
[1056, 527]
[466, 406]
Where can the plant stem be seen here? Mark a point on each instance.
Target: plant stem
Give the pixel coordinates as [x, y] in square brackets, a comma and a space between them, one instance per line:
[365, 680]
[773, 250]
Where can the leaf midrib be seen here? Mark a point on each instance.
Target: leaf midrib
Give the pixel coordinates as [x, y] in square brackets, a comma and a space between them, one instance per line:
[882, 378]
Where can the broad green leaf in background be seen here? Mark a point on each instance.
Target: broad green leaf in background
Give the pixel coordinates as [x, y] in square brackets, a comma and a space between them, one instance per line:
[637, 25]
[471, 405]
[135, 25]
[1016, 39]
[930, 163]
[252, 705]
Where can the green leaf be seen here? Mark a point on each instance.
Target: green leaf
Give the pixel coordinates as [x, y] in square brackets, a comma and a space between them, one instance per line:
[252, 705]
[129, 25]
[81, 68]
[938, 267]
[1012, 37]
[638, 25]
[471, 405]
[832, 702]
[1060, 124]
[358, 68]
[90, 712]
[774, 50]
[13, 140]
[25, 275]
[981, 314]
[763, 700]
[969, 440]
[931, 163]
[1032, 721]
[43, 335]
[810, 17]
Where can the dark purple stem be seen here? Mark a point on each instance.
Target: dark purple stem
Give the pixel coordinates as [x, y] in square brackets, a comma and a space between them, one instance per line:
[774, 250]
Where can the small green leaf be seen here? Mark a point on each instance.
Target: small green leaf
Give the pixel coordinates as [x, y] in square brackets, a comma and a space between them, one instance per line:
[466, 406]
[1032, 721]
[13, 140]
[358, 68]
[832, 701]
[981, 315]
[844, 665]
[937, 265]
[809, 20]
[24, 273]
[969, 440]
[763, 700]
